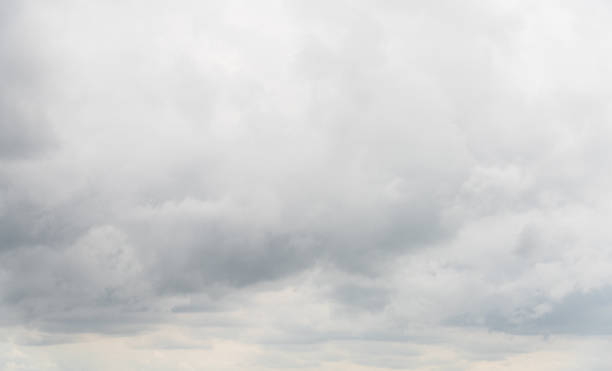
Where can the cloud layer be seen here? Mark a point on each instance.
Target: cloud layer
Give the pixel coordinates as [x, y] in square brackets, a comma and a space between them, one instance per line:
[298, 182]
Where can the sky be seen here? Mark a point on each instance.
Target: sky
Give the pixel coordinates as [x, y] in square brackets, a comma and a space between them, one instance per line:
[305, 185]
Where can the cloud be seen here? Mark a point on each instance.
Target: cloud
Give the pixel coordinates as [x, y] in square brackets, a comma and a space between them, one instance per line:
[304, 174]
[24, 129]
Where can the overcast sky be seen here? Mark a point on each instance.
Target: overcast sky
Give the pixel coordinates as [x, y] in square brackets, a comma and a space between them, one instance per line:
[322, 185]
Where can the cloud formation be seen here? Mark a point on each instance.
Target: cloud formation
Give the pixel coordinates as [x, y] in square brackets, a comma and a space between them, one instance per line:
[298, 182]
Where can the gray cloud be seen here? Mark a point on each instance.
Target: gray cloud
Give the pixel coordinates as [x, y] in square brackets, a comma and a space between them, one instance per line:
[305, 172]
[577, 314]
[24, 130]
